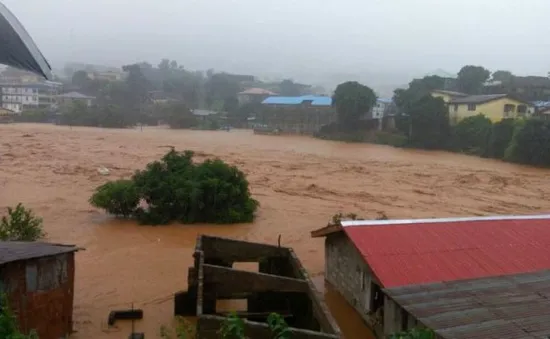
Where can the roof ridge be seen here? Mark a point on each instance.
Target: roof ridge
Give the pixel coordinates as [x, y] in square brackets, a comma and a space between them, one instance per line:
[355, 223]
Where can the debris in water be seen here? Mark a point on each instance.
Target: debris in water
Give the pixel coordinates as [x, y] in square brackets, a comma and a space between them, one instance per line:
[103, 170]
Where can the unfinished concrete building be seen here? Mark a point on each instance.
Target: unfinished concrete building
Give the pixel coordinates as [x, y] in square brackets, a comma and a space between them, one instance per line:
[280, 285]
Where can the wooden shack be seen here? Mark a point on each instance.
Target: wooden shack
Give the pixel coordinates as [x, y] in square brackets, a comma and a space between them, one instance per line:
[38, 280]
[281, 285]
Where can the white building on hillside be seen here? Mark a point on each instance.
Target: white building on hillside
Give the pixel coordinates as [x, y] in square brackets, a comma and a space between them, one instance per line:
[19, 97]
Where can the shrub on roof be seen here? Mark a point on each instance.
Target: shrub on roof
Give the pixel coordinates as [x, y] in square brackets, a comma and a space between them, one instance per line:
[177, 189]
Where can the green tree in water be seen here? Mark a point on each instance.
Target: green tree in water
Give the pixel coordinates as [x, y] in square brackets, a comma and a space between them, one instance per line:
[352, 100]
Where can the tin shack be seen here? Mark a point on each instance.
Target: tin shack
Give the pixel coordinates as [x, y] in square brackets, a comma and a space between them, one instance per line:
[38, 281]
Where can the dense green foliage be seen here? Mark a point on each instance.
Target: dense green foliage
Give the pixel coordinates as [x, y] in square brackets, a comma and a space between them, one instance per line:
[429, 123]
[135, 99]
[530, 143]
[471, 79]
[233, 327]
[119, 197]
[472, 134]
[177, 189]
[501, 134]
[8, 323]
[352, 100]
[21, 225]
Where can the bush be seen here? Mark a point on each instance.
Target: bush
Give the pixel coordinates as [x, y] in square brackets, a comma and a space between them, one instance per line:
[8, 323]
[176, 189]
[119, 197]
[21, 225]
[501, 136]
[530, 143]
[471, 135]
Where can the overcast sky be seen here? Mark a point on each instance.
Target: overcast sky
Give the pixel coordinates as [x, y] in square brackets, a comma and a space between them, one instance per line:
[295, 36]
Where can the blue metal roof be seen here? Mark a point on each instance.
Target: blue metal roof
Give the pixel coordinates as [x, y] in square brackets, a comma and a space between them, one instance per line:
[315, 100]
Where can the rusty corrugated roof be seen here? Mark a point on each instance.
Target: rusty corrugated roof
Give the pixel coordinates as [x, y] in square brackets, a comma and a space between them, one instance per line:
[512, 306]
[409, 252]
[18, 250]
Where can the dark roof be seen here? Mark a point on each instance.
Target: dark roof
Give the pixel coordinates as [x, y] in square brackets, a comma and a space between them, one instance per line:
[513, 306]
[451, 93]
[481, 99]
[18, 250]
[412, 252]
[477, 99]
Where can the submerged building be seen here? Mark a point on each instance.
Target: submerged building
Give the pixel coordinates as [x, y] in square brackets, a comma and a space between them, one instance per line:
[444, 274]
[38, 279]
[296, 115]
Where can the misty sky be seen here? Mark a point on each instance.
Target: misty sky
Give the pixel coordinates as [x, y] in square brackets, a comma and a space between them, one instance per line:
[294, 37]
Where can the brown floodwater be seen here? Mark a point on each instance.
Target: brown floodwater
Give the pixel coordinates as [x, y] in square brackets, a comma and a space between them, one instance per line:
[300, 182]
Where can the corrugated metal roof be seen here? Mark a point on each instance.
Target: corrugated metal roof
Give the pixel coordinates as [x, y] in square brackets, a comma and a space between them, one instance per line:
[18, 250]
[408, 252]
[315, 100]
[513, 306]
[477, 99]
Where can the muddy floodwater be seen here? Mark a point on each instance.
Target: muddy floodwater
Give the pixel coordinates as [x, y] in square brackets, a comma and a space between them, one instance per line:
[300, 182]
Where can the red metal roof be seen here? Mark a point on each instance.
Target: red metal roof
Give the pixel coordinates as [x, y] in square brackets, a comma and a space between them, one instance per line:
[408, 252]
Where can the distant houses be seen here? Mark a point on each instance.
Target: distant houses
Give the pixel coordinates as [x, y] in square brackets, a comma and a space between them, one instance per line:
[254, 95]
[464, 278]
[296, 115]
[494, 106]
[20, 96]
[74, 97]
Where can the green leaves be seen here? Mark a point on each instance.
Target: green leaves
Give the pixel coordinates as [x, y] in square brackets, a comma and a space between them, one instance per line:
[472, 135]
[118, 197]
[176, 189]
[21, 225]
[232, 327]
[352, 100]
[8, 322]
[278, 326]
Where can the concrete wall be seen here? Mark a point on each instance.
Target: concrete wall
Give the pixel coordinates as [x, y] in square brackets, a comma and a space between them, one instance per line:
[40, 292]
[296, 119]
[347, 271]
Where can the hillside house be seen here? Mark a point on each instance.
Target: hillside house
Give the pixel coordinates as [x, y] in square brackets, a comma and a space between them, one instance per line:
[38, 279]
[296, 115]
[74, 97]
[7, 115]
[254, 95]
[447, 96]
[494, 106]
[19, 97]
[365, 260]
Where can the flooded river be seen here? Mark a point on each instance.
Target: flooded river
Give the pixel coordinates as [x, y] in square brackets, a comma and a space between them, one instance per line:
[300, 182]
